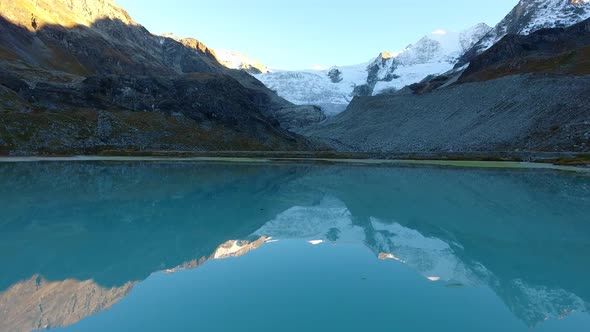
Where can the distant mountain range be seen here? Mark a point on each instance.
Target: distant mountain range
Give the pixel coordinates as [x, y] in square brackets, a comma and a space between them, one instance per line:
[435, 54]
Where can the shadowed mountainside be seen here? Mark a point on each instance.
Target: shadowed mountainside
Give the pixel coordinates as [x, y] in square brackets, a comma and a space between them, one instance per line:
[74, 82]
[560, 51]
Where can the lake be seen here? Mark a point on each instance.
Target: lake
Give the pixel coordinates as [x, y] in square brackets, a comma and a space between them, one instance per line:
[204, 246]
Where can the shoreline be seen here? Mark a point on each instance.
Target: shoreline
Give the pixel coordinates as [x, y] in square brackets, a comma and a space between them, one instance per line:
[257, 158]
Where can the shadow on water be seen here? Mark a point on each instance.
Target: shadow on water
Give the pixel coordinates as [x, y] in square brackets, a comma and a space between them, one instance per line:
[117, 223]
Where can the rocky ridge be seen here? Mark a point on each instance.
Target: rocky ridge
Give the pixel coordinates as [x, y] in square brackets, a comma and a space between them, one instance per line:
[529, 16]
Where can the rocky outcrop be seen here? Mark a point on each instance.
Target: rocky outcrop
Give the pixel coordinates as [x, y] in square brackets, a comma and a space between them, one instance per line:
[335, 75]
[297, 118]
[79, 60]
[530, 113]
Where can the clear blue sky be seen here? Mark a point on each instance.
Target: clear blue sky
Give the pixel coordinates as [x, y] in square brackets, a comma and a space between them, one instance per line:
[299, 34]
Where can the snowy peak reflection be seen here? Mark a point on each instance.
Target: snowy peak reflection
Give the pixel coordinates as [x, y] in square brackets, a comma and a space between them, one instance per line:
[331, 221]
[436, 259]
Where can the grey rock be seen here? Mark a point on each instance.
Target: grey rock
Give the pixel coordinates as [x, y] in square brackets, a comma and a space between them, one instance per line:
[297, 118]
[335, 75]
[525, 112]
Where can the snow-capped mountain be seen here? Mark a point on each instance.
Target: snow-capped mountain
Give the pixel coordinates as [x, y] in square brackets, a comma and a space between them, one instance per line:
[436, 259]
[433, 54]
[529, 16]
[238, 60]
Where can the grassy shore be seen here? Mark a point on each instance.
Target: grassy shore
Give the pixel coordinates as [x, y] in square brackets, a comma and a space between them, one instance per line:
[557, 161]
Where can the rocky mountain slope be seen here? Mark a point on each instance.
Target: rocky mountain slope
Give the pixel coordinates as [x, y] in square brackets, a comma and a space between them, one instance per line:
[80, 77]
[529, 16]
[334, 87]
[507, 114]
[557, 51]
[525, 93]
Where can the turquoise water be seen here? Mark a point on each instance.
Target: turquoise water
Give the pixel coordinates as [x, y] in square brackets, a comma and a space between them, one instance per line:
[155, 246]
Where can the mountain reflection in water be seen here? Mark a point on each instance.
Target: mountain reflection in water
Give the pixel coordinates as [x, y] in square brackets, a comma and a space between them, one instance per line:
[77, 237]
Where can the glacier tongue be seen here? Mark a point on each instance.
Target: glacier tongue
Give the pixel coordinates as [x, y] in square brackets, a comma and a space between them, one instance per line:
[316, 86]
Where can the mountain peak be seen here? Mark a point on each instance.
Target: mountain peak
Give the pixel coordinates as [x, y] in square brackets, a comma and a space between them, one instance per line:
[529, 16]
[238, 60]
[441, 46]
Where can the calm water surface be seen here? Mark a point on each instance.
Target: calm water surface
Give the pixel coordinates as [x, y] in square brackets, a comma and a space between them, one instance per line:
[153, 246]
